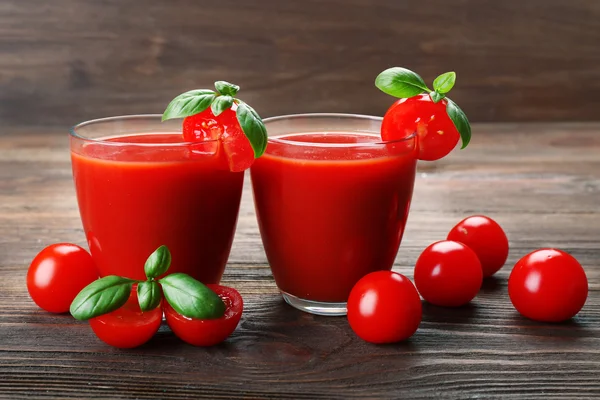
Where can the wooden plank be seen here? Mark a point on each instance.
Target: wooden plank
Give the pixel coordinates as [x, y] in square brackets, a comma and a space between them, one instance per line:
[541, 181]
[65, 61]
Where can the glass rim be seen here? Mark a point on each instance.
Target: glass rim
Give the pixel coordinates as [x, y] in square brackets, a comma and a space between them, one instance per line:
[73, 131]
[106, 142]
[277, 139]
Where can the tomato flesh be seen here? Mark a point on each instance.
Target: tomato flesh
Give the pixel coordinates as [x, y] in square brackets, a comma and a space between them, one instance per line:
[548, 285]
[437, 135]
[233, 146]
[208, 332]
[486, 238]
[384, 307]
[128, 326]
[448, 274]
[57, 274]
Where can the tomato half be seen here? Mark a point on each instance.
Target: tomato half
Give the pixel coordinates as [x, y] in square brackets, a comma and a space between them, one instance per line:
[57, 274]
[384, 307]
[437, 135]
[208, 332]
[128, 326]
[548, 285]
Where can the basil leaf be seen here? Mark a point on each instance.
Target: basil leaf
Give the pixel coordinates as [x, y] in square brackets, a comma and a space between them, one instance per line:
[158, 263]
[400, 82]
[226, 88]
[460, 121]
[436, 96]
[189, 103]
[149, 295]
[191, 298]
[445, 82]
[221, 104]
[101, 297]
[253, 128]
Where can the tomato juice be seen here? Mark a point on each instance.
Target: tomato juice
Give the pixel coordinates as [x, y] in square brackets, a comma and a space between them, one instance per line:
[139, 191]
[331, 207]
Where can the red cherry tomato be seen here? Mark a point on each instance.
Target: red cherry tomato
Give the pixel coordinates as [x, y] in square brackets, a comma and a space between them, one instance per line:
[208, 332]
[128, 326]
[235, 146]
[448, 274]
[548, 285]
[384, 307]
[57, 274]
[437, 134]
[486, 238]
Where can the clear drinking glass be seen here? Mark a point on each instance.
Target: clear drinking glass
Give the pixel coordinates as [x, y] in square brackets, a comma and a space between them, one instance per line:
[140, 186]
[332, 201]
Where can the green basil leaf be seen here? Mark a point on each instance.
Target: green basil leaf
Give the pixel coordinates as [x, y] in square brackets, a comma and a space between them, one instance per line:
[460, 121]
[191, 298]
[253, 128]
[101, 297]
[158, 263]
[226, 88]
[189, 103]
[436, 96]
[400, 82]
[445, 82]
[149, 295]
[221, 104]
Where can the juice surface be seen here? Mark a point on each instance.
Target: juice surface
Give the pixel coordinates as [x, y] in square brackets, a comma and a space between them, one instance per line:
[132, 199]
[329, 216]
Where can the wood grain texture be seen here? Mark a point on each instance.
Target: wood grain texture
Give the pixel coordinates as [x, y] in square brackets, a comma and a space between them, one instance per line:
[64, 61]
[541, 182]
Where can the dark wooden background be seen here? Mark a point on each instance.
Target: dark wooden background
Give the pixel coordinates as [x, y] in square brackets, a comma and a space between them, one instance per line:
[63, 61]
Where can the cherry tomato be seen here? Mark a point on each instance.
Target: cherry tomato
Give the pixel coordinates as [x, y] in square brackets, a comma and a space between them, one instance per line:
[448, 274]
[384, 307]
[548, 285]
[128, 326]
[235, 146]
[208, 332]
[57, 274]
[486, 238]
[436, 132]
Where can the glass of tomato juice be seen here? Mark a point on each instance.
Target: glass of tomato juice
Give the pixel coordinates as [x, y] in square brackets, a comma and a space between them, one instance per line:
[140, 186]
[332, 201]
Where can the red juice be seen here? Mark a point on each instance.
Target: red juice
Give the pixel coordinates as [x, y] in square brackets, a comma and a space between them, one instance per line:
[137, 192]
[331, 208]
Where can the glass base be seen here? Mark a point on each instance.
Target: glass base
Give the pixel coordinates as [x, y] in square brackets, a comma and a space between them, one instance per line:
[315, 307]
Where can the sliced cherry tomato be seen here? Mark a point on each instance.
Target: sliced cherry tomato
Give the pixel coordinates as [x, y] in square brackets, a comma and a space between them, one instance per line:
[448, 274]
[208, 332]
[235, 147]
[384, 307]
[128, 326]
[437, 135]
[548, 285]
[486, 238]
[57, 274]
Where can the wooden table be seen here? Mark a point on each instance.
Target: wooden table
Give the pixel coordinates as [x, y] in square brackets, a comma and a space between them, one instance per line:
[541, 182]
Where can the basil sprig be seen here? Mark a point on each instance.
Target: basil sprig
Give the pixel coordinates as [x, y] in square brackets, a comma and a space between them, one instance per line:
[191, 298]
[185, 294]
[400, 82]
[404, 83]
[101, 297]
[158, 263]
[149, 295]
[197, 101]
